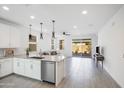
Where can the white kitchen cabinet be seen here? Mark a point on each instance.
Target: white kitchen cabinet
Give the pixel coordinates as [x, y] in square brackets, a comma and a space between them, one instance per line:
[4, 36]
[33, 69]
[14, 37]
[9, 36]
[6, 67]
[25, 67]
[28, 68]
[19, 66]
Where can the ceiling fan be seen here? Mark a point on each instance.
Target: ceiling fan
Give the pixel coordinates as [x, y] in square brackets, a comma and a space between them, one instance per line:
[66, 33]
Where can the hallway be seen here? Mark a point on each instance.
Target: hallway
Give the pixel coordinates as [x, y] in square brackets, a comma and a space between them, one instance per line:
[83, 73]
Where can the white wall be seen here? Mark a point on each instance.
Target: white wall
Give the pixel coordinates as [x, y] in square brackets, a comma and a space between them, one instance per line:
[43, 44]
[68, 43]
[68, 46]
[67, 51]
[111, 38]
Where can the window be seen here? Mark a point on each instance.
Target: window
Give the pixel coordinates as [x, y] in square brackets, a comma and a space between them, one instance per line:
[32, 47]
[61, 44]
[33, 44]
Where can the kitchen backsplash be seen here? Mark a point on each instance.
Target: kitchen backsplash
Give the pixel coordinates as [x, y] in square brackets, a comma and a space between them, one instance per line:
[9, 52]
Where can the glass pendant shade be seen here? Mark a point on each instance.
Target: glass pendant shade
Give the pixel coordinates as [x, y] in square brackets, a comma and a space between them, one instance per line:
[41, 34]
[53, 33]
[30, 36]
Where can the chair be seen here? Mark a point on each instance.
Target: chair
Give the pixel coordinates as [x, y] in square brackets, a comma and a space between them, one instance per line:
[98, 58]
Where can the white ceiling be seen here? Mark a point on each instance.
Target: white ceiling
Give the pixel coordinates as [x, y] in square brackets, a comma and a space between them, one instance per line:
[66, 16]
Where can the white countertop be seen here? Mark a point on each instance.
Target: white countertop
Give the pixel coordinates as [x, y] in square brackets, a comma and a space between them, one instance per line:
[53, 58]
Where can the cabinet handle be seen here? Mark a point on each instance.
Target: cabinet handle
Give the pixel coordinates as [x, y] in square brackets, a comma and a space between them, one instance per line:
[0, 66]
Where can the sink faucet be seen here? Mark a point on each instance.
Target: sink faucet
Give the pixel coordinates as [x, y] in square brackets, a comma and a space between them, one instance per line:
[40, 53]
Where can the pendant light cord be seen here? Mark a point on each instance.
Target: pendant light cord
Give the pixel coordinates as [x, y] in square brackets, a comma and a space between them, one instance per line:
[53, 33]
[53, 24]
[30, 28]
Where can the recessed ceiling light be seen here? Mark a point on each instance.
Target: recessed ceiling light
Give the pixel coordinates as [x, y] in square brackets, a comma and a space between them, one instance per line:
[32, 17]
[84, 12]
[75, 27]
[5, 8]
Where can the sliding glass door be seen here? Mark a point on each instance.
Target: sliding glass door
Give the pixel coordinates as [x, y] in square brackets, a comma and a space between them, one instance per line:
[81, 47]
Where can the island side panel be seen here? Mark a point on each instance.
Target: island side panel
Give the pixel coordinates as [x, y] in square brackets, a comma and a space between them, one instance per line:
[60, 72]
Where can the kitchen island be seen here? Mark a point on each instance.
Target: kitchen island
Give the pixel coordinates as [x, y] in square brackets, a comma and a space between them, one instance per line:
[33, 67]
[54, 67]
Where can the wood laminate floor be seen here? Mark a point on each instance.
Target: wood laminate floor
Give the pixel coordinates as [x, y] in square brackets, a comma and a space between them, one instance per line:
[80, 73]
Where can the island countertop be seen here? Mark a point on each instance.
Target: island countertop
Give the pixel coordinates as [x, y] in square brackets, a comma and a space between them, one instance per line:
[52, 58]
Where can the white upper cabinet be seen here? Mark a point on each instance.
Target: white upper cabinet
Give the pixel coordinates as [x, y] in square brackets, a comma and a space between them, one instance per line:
[4, 36]
[14, 37]
[9, 36]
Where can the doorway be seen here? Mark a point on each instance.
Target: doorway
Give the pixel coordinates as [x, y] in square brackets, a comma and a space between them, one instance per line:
[81, 47]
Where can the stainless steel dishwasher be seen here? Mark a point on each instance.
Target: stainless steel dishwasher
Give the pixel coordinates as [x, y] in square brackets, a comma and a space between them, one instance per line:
[48, 71]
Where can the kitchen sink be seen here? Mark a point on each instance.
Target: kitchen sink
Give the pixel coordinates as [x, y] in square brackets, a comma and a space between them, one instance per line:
[37, 57]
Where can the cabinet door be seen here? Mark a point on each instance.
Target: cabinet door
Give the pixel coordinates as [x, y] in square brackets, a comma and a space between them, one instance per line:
[19, 67]
[4, 36]
[28, 69]
[6, 67]
[14, 37]
[36, 70]
[33, 69]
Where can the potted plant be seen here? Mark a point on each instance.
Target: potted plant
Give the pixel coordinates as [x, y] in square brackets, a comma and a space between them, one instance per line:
[27, 52]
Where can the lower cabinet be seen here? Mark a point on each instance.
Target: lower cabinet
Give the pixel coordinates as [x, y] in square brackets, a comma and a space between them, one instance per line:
[28, 68]
[6, 67]
[33, 69]
[25, 67]
[19, 66]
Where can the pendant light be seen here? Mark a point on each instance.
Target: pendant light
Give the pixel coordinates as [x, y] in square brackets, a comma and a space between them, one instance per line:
[53, 33]
[41, 34]
[30, 36]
